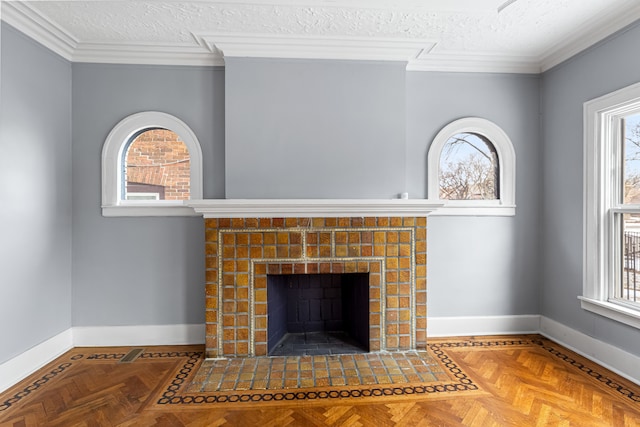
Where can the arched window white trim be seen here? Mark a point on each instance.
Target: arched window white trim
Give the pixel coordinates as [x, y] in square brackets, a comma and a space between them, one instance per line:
[112, 157]
[505, 204]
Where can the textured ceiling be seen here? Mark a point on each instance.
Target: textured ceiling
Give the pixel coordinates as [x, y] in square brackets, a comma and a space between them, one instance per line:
[507, 30]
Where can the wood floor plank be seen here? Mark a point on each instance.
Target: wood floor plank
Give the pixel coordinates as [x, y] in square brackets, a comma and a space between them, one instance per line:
[486, 381]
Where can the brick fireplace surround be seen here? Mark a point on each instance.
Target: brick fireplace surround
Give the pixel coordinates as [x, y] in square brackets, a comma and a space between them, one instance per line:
[242, 251]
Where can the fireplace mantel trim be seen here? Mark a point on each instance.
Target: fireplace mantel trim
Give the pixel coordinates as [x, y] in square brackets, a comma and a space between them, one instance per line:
[312, 208]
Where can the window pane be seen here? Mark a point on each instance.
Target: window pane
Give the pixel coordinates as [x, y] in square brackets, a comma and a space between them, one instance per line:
[631, 132]
[157, 167]
[629, 284]
[469, 169]
[143, 196]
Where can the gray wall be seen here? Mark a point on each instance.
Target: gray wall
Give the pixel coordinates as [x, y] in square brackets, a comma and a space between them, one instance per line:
[291, 133]
[337, 129]
[341, 129]
[479, 266]
[314, 129]
[609, 66]
[35, 192]
[140, 271]
[133, 271]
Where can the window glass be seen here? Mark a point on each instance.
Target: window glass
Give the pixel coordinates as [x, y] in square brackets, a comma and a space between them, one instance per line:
[628, 288]
[469, 168]
[627, 224]
[156, 167]
[631, 166]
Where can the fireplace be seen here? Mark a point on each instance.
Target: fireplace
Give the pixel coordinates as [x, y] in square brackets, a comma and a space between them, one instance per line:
[252, 242]
[304, 309]
[243, 252]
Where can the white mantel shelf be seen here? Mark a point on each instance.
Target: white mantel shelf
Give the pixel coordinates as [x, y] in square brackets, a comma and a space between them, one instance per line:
[312, 208]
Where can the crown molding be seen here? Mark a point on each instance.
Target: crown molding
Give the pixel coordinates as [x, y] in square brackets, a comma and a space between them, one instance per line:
[28, 21]
[431, 5]
[25, 19]
[209, 49]
[478, 63]
[589, 35]
[146, 54]
[315, 47]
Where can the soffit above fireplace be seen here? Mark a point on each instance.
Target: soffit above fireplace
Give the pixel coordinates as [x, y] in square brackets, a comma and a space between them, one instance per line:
[312, 208]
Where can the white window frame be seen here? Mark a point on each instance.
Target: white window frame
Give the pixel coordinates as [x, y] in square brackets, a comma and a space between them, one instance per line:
[506, 204]
[602, 153]
[112, 155]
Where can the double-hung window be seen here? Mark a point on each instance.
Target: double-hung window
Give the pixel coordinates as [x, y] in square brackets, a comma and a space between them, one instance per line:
[612, 206]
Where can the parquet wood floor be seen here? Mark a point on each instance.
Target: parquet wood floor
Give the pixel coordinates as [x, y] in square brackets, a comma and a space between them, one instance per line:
[491, 381]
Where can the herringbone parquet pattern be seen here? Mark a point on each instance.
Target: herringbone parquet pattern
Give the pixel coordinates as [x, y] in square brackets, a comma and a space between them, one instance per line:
[498, 381]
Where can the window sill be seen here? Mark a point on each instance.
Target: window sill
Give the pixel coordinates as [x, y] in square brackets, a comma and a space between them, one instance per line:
[147, 210]
[622, 314]
[450, 209]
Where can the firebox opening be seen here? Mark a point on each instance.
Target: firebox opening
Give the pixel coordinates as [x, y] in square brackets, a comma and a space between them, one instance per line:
[318, 313]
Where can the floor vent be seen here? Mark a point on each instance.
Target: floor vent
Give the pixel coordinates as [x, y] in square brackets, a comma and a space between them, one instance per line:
[132, 355]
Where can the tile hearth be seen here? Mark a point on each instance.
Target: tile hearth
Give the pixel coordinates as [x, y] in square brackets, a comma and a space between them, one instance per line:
[291, 372]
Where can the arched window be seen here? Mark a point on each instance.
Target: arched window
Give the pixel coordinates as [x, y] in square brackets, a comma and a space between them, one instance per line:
[151, 163]
[471, 165]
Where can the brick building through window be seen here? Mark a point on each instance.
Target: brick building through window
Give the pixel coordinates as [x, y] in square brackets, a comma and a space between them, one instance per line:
[157, 167]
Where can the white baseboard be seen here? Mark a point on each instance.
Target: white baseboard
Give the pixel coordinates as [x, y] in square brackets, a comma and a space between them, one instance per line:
[20, 367]
[110, 336]
[611, 357]
[482, 325]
